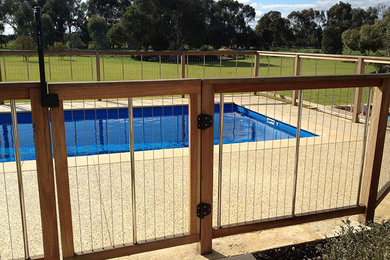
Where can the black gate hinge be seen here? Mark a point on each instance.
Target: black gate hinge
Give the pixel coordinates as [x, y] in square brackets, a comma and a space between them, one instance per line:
[203, 210]
[205, 121]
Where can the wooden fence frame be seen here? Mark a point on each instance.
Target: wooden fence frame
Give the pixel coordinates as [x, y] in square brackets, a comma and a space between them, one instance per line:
[201, 94]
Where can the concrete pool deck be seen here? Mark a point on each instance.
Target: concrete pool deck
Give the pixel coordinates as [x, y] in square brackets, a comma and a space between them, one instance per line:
[257, 184]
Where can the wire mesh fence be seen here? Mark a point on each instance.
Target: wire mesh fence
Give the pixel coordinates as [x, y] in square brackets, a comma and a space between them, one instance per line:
[100, 170]
[20, 222]
[276, 173]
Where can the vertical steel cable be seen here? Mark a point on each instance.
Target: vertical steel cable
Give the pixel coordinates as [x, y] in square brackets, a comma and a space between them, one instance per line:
[120, 168]
[143, 161]
[177, 66]
[154, 175]
[123, 68]
[98, 174]
[88, 182]
[110, 170]
[5, 69]
[142, 68]
[163, 160]
[28, 71]
[48, 56]
[247, 160]
[269, 61]
[6, 198]
[368, 111]
[71, 70]
[91, 68]
[104, 74]
[204, 66]
[220, 66]
[327, 154]
[231, 161]
[132, 165]
[159, 65]
[77, 177]
[173, 169]
[182, 173]
[313, 151]
[298, 139]
[349, 146]
[20, 177]
[236, 67]
[220, 161]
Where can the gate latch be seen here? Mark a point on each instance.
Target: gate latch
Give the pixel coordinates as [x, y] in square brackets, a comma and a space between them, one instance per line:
[205, 121]
[203, 210]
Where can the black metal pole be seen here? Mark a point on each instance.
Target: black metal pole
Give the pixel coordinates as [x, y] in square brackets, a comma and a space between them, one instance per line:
[47, 100]
[38, 20]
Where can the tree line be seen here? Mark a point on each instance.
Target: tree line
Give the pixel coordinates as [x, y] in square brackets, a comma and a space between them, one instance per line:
[193, 24]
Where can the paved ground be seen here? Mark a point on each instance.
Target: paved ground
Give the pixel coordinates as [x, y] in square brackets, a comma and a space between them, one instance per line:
[257, 183]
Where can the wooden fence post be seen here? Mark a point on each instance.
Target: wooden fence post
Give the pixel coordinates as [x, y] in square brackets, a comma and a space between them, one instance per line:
[297, 68]
[257, 59]
[97, 66]
[183, 66]
[358, 93]
[194, 139]
[62, 179]
[45, 175]
[1, 80]
[206, 184]
[374, 152]
[256, 65]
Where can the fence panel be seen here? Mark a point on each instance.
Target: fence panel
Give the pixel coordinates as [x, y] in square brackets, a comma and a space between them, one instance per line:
[132, 177]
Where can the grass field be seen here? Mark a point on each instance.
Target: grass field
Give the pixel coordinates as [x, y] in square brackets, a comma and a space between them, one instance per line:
[83, 68]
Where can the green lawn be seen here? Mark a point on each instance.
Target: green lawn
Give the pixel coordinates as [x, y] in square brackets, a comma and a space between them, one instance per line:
[83, 68]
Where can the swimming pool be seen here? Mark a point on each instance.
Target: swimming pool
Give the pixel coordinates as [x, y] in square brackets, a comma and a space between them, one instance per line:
[103, 131]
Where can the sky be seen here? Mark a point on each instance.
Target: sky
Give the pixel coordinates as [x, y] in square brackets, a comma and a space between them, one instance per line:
[287, 6]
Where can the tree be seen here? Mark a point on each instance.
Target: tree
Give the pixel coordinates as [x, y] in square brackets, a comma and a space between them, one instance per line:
[111, 10]
[274, 30]
[59, 11]
[340, 16]
[229, 23]
[97, 28]
[306, 27]
[75, 41]
[23, 42]
[165, 24]
[370, 38]
[361, 16]
[331, 40]
[24, 20]
[48, 31]
[117, 35]
[351, 39]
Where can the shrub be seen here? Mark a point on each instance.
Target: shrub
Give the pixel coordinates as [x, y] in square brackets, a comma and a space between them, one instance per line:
[371, 242]
[23, 42]
[58, 46]
[75, 41]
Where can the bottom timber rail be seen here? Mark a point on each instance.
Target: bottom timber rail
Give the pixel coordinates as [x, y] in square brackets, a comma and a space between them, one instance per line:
[383, 193]
[286, 221]
[141, 247]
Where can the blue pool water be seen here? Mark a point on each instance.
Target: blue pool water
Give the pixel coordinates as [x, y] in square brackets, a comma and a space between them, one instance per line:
[105, 131]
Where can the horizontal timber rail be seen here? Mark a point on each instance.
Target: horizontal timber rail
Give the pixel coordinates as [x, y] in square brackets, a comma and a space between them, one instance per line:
[73, 90]
[294, 83]
[285, 221]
